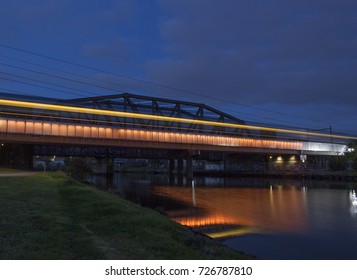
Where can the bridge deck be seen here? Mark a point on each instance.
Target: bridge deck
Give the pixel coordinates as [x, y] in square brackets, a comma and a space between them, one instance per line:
[129, 120]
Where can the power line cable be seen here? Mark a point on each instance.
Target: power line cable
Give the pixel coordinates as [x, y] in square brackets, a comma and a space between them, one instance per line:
[156, 84]
[149, 82]
[57, 77]
[188, 92]
[36, 85]
[73, 74]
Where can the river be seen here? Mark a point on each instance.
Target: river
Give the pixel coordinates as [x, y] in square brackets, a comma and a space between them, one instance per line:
[264, 217]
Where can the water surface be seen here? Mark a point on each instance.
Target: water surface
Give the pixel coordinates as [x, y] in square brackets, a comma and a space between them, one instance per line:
[271, 219]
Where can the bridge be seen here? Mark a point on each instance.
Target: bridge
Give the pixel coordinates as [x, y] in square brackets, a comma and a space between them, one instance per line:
[131, 121]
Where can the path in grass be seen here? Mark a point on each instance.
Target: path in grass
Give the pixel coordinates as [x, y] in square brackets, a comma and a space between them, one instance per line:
[50, 216]
[15, 173]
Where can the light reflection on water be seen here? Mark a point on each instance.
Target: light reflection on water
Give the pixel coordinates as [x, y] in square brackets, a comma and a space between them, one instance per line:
[271, 219]
[268, 208]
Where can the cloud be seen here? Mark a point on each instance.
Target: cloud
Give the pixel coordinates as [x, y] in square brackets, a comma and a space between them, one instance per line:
[287, 52]
[118, 49]
[118, 11]
[40, 8]
[290, 55]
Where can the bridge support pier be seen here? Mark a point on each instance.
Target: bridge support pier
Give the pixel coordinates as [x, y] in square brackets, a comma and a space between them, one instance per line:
[179, 166]
[183, 168]
[103, 166]
[189, 168]
[171, 166]
[225, 163]
[171, 171]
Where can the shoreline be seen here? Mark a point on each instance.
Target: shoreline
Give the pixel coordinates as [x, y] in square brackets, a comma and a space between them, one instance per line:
[323, 175]
[312, 175]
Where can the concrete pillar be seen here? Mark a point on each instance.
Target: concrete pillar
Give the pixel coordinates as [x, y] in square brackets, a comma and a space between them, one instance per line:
[203, 165]
[179, 166]
[189, 168]
[171, 166]
[110, 166]
[225, 164]
[171, 171]
[103, 166]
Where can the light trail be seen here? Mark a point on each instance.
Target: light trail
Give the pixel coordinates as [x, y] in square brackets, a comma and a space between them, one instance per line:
[32, 127]
[184, 130]
[74, 109]
[238, 232]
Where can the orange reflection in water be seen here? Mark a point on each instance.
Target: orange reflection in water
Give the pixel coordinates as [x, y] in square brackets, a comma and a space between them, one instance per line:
[278, 209]
[213, 219]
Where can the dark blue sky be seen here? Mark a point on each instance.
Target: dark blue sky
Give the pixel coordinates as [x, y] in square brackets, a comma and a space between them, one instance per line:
[280, 61]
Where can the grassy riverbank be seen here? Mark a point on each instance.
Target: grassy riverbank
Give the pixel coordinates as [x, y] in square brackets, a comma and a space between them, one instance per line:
[50, 216]
[7, 170]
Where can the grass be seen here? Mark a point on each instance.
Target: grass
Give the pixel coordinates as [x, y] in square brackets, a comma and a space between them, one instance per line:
[50, 216]
[7, 170]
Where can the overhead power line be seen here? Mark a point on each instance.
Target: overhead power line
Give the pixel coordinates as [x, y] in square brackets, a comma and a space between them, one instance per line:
[148, 82]
[57, 77]
[36, 85]
[96, 69]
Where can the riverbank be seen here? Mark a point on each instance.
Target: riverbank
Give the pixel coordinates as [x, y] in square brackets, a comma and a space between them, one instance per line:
[8, 172]
[51, 216]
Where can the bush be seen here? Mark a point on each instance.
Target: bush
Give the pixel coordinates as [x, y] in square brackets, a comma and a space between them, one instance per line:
[338, 163]
[354, 164]
[78, 168]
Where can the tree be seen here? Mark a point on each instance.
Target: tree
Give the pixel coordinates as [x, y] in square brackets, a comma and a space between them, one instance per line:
[338, 163]
[78, 168]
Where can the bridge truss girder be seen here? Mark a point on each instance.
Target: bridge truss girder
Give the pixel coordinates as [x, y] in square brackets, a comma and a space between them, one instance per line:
[163, 107]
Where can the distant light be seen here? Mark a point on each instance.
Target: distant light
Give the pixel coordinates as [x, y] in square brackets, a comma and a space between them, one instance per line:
[303, 158]
[292, 158]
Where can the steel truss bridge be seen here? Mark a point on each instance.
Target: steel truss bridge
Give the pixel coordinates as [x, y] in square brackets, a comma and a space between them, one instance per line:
[128, 120]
